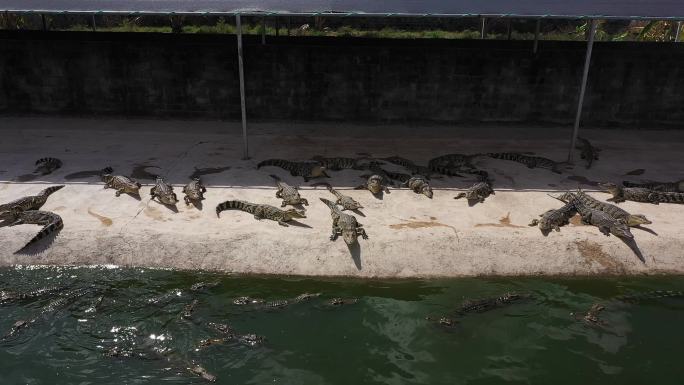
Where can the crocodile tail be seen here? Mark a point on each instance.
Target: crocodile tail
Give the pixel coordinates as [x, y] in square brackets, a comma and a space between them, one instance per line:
[234, 205]
[330, 204]
[49, 160]
[107, 170]
[275, 162]
[275, 177]
[53, 227]
[48, 191]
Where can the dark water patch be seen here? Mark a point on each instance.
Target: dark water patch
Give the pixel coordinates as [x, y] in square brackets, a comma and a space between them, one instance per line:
[140, 172]
[113, 326]
[207, 170]
[83, 174]
[638, 171]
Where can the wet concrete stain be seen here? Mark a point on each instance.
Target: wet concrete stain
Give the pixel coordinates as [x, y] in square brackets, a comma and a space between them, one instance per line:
[26, 177]
[582, 180]
[592, 252]
[104, 220]
[83, 174]
[58, 208]
[140, 172]
[503, 222]
[154, 213]
[419, 225]
[638, 171]
[208, 170]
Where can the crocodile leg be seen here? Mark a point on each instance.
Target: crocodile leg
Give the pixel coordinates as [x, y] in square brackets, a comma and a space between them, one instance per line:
[304, 202]
[119, 192]
[360, 231]
[335, 234]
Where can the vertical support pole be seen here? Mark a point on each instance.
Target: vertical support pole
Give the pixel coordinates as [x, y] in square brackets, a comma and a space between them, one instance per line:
[510, 30]
[94, 25]
[482, 28]
[583, 87]
[288, 26]
[241, 70]
[42, 18]
[277, 26]
[536, 37]
[263, 30]
[679, 31]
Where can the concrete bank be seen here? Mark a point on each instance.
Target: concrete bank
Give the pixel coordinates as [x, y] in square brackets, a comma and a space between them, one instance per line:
[410, 235]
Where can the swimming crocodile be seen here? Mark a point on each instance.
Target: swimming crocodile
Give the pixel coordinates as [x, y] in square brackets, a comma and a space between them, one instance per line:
[288, 194]
[122, 184]
[344, 224]
[273, 304]
[347, 202]
[163, 192]
[478, 192]
[529, 161]
[486, 304]
[417, 183]
[33, 202]
[587, 152]
[658, 186]
[261, 211]
[45, 166]
[9, 296]
[189, 309]
[51, 222]
[339, 163]
[375, 184]
[591, 316]
[307, 170]
[612, 210]
[194, 191]
[601, 219]
[337, 301]
[639, 194]
[555, 219]
[649, 295]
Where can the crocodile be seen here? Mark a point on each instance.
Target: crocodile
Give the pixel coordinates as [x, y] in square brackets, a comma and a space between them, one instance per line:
[339, 163]
[199, 286]
[424, 171]
[337, 301]
[640, 194]
[601, 219]
[247, 301]
[307, 170]
[417, 183]
[163, 192]
[347, 202]
[632, 220]
[33, 202]
[344, 224]
[587, 152]
[51, 222]
[451, 164]
[288, 194]
[194, 191]
[592, 315]
[273, 304]
[658, 186]
[189, 309]
[478, 192]
[554, 219]
[486, 304]
[45, 166]
[261, 211]
[529, 161]
[649, 295]
[375, 184]
[8, 296]
[122, 184]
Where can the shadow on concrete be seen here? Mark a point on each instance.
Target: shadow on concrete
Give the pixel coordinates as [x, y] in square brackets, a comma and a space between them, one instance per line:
[140, 172]
[83, 174]
[355, 252]
[294, 223]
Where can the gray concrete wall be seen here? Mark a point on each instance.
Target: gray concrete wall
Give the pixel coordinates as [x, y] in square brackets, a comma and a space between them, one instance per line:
[314, 79]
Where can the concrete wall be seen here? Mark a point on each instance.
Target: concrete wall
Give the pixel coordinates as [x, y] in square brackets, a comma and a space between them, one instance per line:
[368, 80]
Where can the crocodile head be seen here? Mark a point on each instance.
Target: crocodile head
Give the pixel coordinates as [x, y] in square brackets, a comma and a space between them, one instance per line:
[319, 171]
[610, 187]
[621, 230]
[375, 184]
[637, 219]
[426, 190]
[294, 213]
[349, 237]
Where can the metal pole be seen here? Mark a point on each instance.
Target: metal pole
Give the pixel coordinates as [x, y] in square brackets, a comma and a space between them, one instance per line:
[679, 31]
[243, 110]
[263, 30]
[536, 37]
[482, 29]
[277, 26]
[510, 30]
[42, 18]
[583, 87]
[288, 26]
[94, 25]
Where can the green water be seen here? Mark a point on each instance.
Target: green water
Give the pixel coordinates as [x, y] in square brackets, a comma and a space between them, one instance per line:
[383, 338]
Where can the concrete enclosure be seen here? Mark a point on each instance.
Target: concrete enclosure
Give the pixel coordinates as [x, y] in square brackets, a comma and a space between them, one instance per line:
[364, 80]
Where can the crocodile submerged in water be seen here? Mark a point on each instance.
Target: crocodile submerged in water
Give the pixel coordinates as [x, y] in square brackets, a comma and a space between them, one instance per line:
[417, 183]
[650, 295]
[122, 184]
[658, 186]
[339, 163]
[9, 296]
[591, 316]
[486, 304]
[639, 194]
[555, 219]
[529, 161]
[45, 166]
[288, 194]
[347, 202]
[344, 224]
[375, 184]
[261, 211]
[194, 191]
[51, 222]
[587, 152]
[163, 192]
[274, 304]
[478, 192]
[307, 170]
[34, 202]
[631, 220]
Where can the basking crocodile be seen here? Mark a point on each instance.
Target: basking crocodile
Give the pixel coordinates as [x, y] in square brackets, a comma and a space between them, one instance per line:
[639, 194]
[486, 304]
[478, 192]
[601, 219]
[555, 219]
[194, 191]
[375, 184]
[164, 192]
[307, 170]
[529, 161]
[33, 202]
[426, 172]
[344, 224]
[51, 222]
[288, 194]
[46, 166]
[339, 163]
[612, 210]
[347, 202]
[122, 184]
[658, 186]
[587, 152]
[261, 211]
[417, 183]
[451, 164]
